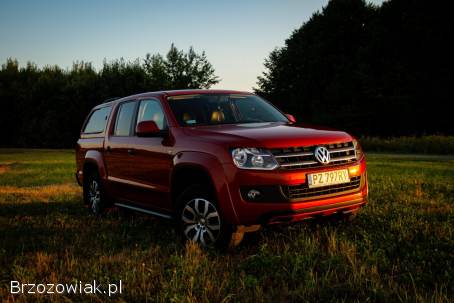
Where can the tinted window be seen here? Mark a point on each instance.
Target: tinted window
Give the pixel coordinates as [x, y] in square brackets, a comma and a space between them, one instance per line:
[98, 120]
[253, 109]
[150, 110]
[223, 109]
[124, 119]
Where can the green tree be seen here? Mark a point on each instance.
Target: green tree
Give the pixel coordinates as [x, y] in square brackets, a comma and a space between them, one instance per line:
[45, 107]
[373, 70]
[179, 70]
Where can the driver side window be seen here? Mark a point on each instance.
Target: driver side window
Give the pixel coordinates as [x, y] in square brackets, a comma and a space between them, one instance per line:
[151, 110]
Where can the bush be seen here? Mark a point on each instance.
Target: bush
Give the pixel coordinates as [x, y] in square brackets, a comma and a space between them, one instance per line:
[441, 145]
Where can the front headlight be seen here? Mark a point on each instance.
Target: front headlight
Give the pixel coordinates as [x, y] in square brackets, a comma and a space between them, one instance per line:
[253, 158]
[358, 149]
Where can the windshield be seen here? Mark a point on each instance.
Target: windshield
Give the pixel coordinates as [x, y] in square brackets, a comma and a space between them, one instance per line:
[213, 109]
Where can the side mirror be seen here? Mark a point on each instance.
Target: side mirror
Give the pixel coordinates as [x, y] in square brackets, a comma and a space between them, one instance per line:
[291, 118]
[147, 128]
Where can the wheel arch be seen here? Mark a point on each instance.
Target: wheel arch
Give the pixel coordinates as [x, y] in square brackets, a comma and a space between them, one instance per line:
[94, 161]
[190, 166]
[187, 174]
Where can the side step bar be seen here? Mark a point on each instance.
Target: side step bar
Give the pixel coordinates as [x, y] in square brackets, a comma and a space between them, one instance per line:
[143, 210]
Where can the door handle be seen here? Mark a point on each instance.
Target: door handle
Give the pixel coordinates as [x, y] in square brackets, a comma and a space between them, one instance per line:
[130, 151]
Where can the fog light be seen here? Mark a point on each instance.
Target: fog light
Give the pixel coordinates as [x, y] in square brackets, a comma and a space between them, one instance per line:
[254, 194]
[353, 171]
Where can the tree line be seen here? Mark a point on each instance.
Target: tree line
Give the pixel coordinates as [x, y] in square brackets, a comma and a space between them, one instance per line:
[45, 107]
[372, 70]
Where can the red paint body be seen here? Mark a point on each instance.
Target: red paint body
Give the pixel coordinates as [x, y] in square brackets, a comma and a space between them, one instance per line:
[140, 170]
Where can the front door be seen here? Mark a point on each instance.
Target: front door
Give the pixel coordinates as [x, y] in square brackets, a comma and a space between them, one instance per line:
[152, 158]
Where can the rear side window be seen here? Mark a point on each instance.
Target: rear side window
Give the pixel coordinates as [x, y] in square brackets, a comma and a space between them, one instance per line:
[124, 119]
[98, 120]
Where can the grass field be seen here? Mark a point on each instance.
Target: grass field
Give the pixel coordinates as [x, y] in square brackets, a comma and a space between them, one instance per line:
[400, 248]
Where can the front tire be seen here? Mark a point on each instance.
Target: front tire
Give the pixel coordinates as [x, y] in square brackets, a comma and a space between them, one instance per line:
[200, 219]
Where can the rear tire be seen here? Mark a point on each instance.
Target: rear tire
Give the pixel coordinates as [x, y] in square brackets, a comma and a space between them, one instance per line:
[200, 220]
[94, 195]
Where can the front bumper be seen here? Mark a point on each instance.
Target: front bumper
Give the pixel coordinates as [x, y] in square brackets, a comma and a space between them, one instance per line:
[277, 207]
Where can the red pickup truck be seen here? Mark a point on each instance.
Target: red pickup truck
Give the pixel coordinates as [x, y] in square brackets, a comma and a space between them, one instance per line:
[219, 162]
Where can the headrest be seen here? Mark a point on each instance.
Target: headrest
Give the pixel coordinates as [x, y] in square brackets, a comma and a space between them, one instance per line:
[186, 117]
[217, 116]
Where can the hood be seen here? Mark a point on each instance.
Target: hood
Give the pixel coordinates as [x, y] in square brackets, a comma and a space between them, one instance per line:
[267, 135]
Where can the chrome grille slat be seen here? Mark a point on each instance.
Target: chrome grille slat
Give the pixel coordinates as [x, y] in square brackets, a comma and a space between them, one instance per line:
[343, 158]
[295, 155]
[344, 149]
[291, 158]
[299, 163]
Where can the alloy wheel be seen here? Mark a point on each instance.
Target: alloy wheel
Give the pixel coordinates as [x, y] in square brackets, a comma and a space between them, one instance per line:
[94, 196]
[201, 221]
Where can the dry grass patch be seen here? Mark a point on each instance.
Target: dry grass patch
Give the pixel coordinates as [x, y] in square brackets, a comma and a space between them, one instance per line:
[3, 169]
[41, 193]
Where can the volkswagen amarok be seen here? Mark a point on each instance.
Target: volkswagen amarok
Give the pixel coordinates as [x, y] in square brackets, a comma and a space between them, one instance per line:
[218, 162]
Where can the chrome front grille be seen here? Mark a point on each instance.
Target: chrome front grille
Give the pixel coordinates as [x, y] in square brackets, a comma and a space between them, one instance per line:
[302, 191]
[303, 157]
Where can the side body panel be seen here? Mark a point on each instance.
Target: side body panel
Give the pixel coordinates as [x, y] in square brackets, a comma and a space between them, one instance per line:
[140, 171]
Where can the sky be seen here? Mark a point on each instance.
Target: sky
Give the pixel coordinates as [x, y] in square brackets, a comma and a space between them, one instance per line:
[236, 36]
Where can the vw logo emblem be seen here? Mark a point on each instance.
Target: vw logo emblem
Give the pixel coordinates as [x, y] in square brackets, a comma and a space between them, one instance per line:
[322, 155]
